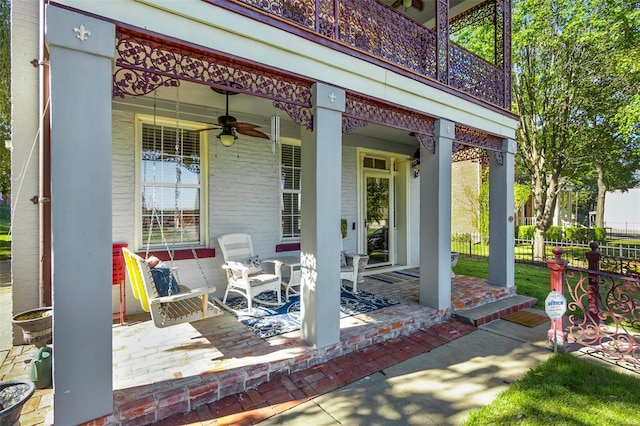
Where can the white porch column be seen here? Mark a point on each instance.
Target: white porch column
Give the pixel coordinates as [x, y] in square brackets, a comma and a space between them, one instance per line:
[81, 50]
[321, 200]
[501, 219]
[435, 219]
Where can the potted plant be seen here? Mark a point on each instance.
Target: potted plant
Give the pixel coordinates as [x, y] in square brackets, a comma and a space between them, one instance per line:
[13, 395]
[36, 326]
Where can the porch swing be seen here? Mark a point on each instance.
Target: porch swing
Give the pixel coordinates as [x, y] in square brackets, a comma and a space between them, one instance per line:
[180, 304]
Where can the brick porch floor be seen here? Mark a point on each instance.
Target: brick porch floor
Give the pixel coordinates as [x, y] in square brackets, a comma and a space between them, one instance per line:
[221, 372]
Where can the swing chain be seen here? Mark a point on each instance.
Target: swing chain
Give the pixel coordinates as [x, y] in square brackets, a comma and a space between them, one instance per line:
[178, 212]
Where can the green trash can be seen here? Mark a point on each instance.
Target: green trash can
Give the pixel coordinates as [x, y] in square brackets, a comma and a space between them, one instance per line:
[40, 368]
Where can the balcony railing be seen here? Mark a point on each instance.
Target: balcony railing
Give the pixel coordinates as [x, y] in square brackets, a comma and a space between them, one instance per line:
[376, 32]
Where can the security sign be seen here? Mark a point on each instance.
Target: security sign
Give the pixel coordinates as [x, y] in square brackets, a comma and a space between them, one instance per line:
[555, 305]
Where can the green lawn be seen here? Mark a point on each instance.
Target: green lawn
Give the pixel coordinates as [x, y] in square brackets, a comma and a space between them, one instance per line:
[565, 391]
[531, 280]
[5, 238]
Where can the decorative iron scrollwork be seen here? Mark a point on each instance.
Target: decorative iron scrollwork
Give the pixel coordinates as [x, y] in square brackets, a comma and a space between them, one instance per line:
[144, 64]
[428, 141]
[359, 109]
[603, 325]
[138, 83]
[477, 143]
[299, 114]
[479, 15]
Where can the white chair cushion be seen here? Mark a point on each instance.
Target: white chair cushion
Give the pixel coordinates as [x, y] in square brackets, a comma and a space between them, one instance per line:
[260, 279]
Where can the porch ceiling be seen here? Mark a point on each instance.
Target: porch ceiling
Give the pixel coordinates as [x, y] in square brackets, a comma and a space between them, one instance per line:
[197, 102]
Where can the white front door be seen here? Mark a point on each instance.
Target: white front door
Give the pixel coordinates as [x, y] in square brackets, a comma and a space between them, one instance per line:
[378, 204]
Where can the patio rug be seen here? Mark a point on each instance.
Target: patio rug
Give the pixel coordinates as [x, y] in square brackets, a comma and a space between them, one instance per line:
[529, 319]
[269, 321]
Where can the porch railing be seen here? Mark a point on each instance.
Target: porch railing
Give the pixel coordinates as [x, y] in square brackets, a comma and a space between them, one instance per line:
[373, 30]
[603, 309]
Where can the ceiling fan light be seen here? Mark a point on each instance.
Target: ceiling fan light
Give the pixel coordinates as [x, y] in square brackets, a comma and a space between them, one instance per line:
[407, 3]
[227, 138]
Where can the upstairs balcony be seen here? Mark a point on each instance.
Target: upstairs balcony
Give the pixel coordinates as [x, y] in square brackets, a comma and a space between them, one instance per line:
[416, 41]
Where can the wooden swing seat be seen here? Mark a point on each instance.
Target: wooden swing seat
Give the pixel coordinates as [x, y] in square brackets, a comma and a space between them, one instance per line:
[186, 306]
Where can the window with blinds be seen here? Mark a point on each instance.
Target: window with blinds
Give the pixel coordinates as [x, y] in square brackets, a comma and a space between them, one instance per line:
[170, 171]
[290, 190]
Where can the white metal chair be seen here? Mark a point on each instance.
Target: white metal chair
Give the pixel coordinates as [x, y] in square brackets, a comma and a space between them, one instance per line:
[237, 251]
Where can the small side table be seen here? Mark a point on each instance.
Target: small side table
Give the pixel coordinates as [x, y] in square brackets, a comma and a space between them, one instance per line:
[363, 260]
[291, 278]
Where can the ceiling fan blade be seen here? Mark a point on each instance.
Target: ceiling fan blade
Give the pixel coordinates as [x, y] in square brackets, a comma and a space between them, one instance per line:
[418, 5]
[241, 125]
[397, 3]
[204, 130]
[252, 133]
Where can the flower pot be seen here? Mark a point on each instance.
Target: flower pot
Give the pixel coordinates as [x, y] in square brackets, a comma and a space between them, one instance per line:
[35, 325]
[454, 262]
[13, 395]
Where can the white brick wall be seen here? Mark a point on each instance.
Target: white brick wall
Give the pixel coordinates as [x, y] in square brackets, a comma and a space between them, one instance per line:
[24, 157]
[123, 191]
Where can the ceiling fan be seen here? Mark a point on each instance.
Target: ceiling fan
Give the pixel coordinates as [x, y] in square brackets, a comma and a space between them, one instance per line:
[408, 3]
[230, 127]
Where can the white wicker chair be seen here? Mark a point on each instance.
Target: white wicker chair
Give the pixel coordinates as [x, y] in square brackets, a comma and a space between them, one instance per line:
[236, 250]
[349, 271]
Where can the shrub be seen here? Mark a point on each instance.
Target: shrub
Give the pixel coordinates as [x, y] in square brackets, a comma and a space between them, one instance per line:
[600, 234]
[554, 233]
[580, 235]
[526, 232]
[461, 238]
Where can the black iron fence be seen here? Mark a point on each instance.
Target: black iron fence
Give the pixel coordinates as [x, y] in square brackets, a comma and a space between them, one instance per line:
[621, 258]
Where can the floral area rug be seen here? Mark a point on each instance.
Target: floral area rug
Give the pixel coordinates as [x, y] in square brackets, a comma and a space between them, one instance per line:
[269, 321]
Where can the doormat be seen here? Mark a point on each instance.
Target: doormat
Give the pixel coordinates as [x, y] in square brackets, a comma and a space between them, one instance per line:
[527, 318]
[395, 277]
[269, 321]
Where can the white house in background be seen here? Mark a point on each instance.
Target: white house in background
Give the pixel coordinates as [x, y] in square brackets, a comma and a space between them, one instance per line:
[109, 98]
[622, 210]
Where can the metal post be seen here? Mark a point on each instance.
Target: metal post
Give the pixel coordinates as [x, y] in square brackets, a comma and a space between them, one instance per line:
[593, 259]
[556, 335]
[532, 251]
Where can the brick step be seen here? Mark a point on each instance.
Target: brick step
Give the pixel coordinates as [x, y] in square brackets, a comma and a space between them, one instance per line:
[494, 310]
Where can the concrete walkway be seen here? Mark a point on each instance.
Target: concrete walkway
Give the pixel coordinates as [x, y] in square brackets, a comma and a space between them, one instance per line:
[439, 387]
[436, 376]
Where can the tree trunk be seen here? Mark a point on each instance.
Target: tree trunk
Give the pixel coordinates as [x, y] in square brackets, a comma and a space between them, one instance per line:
[602, 190]
[538, 246]
[544, 197]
